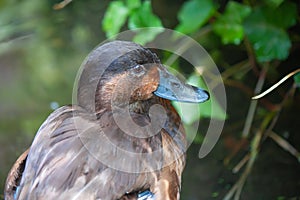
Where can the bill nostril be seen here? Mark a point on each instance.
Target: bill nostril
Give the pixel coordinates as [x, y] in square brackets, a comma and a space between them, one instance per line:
[176, 85]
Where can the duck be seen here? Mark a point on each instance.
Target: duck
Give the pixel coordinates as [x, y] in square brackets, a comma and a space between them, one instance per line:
[121, 139]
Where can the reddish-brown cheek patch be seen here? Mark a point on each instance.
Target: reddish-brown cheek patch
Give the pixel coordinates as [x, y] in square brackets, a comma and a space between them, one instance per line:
[149, 82]
[146, 85]
[145, 92]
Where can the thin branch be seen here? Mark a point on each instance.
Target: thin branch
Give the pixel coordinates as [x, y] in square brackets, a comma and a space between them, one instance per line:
[238, 84]
[285, 145]
[235, 150]
[265, 131]
[237, 168]
[238, 186]
[251, 55]
[253, 104]
[276, 117]
[276, 84]
[241, 66]
[186, 44]
[255, 148]
[61, 5]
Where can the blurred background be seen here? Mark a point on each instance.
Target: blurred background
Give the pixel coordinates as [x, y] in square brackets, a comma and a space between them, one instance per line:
[254, 44]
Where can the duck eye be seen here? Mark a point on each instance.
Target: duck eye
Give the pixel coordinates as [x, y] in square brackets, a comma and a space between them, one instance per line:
[138, 70]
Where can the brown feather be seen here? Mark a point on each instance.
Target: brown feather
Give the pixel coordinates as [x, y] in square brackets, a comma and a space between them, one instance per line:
[78, 153]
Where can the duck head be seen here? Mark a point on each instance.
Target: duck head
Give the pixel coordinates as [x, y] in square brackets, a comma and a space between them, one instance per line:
[122, 73]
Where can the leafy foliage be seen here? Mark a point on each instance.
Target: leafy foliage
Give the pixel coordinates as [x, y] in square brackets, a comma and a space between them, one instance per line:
[141, 18]
[263, 25]
[260, 32]
[115, 18]
[139, 15]
[194, 14]
[273, 3]
[229, 25]
[266, 31]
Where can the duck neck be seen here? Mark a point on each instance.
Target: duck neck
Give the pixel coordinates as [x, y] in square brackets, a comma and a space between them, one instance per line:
[135, 110]
[139, 107]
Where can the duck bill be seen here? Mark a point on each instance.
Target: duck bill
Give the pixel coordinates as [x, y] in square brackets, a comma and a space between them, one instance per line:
[171, 88]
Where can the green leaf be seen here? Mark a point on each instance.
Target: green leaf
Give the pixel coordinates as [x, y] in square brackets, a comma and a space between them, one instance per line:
[275, 15]
[194, 14]
[133, 4]
[297, 79]
[145, 35]
[265, 28]
[190, 112]
[141, 18]
[114, 18]
[229, 25]
[273, 3]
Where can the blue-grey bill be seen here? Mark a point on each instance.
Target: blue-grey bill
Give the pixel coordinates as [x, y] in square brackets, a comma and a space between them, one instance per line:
[171, 88]
[196, 95]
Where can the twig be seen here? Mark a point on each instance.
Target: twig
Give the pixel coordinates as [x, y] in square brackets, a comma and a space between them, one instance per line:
[276, 84]
[275, 118]
[264, 132]
[238, 186]
[61, 5]
[251, 55]
[235, 150]
[253, 104]
[285, 145]
[243, 65]
[185, 44]
[237, 168]
[238, 84]
[255, 147]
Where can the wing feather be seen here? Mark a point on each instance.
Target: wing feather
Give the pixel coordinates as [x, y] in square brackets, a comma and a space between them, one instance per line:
[66, 159]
